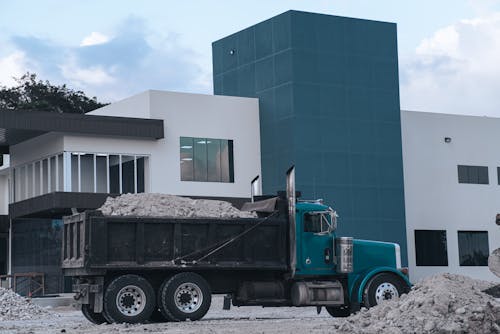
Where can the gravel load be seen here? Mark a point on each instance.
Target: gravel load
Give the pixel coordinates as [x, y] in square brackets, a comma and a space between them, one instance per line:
[15, 307]
[444, 303]
[161, 205]
[494, 262]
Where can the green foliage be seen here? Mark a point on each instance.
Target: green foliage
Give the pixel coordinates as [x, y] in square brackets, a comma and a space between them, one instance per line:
[33, 94]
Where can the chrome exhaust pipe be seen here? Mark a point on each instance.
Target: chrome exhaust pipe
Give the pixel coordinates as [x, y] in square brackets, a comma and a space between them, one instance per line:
[291, 198]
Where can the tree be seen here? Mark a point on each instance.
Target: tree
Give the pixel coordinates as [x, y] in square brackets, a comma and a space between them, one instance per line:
[33, 94]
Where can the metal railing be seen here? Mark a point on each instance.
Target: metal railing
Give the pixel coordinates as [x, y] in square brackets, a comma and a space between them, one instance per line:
[28, 284]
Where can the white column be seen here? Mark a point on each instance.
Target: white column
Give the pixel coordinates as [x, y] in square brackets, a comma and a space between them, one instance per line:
[67, 171]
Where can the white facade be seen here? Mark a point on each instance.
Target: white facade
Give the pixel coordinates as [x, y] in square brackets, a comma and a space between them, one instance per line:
[187, 115]
[67, 162]
[434, 198]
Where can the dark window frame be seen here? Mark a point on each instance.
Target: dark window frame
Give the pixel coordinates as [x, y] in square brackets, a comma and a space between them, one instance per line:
[473, 174]
[219, 170]
[475, 260]
[428, 254]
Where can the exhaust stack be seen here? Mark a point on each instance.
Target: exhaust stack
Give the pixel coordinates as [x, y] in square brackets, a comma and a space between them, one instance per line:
[254, 188]
[291, 198]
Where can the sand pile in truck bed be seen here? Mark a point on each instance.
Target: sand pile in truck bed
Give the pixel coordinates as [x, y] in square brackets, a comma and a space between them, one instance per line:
[15, 307]
[444, 303]
[161, 205]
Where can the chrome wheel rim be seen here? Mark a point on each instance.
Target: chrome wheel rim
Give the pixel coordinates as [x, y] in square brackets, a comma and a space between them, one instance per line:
[386, 291]
[188, 297]
[130, 300]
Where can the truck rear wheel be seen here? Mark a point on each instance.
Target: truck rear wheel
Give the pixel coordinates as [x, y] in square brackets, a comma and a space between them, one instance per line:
[90, 315]
[129, 298]
[184, 296]
[383, 286]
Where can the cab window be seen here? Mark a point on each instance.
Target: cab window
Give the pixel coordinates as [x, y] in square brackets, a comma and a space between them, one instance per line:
[312, 223]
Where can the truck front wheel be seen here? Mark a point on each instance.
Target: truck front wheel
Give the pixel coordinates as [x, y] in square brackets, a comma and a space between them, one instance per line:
[383, 286]
[339, 312]
[184, 296]
[129, 298]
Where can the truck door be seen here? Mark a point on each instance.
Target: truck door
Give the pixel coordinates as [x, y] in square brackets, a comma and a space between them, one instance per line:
[315, 236]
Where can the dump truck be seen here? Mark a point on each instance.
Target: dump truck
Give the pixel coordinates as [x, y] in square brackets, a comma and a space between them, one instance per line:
[143, 269]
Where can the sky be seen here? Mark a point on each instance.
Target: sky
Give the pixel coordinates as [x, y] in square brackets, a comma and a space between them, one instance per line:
[449, 50]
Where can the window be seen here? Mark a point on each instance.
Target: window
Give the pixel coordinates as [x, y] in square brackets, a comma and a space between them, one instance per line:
[430, 248]
[473, 174]
[473, 248]
[318, 221]
[86, 172]
[498, 174]
[206, 159]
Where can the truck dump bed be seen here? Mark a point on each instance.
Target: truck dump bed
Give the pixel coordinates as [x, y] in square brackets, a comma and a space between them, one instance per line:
[96, 243]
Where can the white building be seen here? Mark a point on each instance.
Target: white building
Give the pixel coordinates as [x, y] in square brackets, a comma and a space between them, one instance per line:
[162, 142]
[452, 192]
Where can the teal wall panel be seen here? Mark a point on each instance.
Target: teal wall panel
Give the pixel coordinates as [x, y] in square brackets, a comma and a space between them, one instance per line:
[329, 103]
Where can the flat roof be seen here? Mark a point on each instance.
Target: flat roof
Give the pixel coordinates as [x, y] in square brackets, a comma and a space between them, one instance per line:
[17, 126]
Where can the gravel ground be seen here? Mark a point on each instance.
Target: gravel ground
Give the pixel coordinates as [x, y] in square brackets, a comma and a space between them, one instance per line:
[236, 320]
[441, 304]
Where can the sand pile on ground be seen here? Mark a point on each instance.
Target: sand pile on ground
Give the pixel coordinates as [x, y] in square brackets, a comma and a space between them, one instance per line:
[15, 307]
[161, 205]
[440, 304]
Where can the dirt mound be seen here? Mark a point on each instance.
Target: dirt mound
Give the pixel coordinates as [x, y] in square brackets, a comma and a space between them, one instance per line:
[161, 205]
[444, 303]
[15, 307]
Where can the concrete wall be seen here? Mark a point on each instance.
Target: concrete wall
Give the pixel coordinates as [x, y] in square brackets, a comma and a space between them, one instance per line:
[434, 198]
[186, 115]
[36, 149]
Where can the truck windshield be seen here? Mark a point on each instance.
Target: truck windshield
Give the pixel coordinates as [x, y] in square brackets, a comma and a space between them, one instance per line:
[318, 222]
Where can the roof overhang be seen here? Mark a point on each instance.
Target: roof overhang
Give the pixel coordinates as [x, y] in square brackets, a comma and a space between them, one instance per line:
[19, 125]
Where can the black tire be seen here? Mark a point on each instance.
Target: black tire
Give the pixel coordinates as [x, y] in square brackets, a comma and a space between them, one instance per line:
[184, 296]
[157, 316]
[383, 286]
[129, 298]
[339, 312]
[90, 315]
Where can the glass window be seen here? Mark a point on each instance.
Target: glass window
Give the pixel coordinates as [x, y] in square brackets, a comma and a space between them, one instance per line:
[60, 172]
[227, 168]
[45, 176]
[101, 171]
[187, 169]
[75, 172]
[128, 174]
[473, 174]
[213, 160]
[206, 159]
[200, 159]
[312, 223]
[38, 178]
[140, 174]
[53, 173]
[473, 248]
[87, 173]
[431, 248]
[114, 174]
[30, 181]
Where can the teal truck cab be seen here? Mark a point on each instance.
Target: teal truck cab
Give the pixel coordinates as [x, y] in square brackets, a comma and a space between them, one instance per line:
[139, 269]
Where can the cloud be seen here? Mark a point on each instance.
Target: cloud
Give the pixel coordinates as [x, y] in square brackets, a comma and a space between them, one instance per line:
[133, 60]
[12, 66]
[456, 69]
[95, 38]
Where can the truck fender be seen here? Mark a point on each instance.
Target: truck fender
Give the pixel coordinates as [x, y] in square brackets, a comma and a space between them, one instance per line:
[365, 277]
